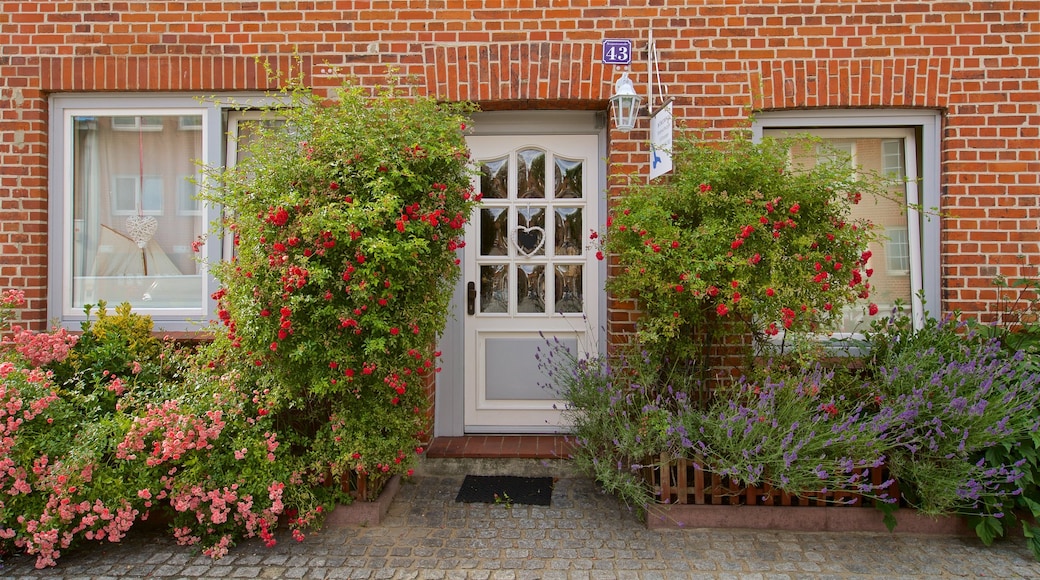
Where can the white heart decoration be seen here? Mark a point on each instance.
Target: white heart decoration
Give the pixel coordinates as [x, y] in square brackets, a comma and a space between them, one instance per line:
[528, 231]
[141, 229]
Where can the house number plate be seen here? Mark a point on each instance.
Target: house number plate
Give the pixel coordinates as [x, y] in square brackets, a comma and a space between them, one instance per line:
[617, 51]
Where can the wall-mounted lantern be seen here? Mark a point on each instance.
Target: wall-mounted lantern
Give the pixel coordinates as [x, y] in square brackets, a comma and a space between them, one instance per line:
[626, 103]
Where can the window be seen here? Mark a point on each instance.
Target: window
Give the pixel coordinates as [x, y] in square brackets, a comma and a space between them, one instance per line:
[138, 123]
[187, 196]
[897, 250]
[132, 194]
[902, 146]
[124, 218]
[892, 164]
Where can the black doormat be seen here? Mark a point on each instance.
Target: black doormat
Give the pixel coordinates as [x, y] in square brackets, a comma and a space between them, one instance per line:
[506, 490]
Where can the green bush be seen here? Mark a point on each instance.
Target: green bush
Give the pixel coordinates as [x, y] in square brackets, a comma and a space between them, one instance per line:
[345, 216]
[122, 438]
[740, 241]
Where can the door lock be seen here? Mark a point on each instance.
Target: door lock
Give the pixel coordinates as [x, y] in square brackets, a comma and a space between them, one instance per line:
[471, 298]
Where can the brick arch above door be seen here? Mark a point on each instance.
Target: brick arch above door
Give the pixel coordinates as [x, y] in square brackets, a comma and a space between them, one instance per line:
[535, 71]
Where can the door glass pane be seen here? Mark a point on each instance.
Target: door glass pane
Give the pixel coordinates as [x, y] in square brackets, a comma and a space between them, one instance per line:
[568, 178]
[568, 288]
[130, 241]
[530, 231]
[494, 288]
[530, 288]
[530, 169]
[494, 225]
[494, 178]
[568, 231]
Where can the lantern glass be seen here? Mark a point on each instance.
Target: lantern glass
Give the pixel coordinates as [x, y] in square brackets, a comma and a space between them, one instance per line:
[626, 103]
[626, 109]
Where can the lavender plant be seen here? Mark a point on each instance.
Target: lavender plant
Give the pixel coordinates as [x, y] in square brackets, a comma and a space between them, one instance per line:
[618, 421]
[949, 413]
[957, 415]
[787, 432]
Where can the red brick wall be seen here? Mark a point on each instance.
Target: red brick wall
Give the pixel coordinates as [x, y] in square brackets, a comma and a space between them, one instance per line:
[975, 61]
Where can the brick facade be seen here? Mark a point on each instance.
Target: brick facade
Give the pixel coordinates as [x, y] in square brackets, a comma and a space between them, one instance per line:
[976, 62]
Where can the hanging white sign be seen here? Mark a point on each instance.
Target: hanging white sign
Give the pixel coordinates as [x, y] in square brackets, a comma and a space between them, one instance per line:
[661, 141]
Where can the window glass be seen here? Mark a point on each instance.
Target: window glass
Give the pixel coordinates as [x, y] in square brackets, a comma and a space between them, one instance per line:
[133, 212]
[875, 152]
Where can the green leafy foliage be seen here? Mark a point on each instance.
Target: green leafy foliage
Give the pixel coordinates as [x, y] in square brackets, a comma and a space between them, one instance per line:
[121, 438]
[346, 216]
[740, 236]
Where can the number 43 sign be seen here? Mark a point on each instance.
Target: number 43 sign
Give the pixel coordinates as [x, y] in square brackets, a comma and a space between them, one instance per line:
[617, 51]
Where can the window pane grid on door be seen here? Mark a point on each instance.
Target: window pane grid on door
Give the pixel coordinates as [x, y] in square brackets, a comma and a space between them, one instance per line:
[530, 252]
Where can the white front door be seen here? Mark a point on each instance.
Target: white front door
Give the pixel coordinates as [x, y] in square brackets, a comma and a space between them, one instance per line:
[529, 276]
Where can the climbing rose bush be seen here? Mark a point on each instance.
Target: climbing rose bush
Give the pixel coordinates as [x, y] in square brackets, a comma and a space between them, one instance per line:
[346, 214]
[739, 239]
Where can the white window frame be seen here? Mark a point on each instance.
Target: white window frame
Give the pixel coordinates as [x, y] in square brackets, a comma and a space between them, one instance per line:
[63, 108]
[923, 190]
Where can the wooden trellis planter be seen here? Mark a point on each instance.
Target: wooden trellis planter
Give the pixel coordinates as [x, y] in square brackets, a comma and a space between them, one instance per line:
[685, 481]
[360, 487]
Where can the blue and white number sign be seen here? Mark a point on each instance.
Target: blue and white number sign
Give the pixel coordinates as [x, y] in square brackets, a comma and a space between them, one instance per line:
[617, 51]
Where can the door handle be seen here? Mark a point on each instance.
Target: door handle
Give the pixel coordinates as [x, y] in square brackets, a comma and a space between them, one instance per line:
[471, 298]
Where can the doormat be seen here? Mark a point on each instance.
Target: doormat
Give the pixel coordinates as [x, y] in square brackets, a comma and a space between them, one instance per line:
[506, 490]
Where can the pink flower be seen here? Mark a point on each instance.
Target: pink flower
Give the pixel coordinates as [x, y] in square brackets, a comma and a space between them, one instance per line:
[12, 297]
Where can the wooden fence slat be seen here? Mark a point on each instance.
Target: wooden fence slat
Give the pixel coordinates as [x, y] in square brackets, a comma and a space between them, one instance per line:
[685, 481]
[666, 478]
[698, 481]
[681, 476]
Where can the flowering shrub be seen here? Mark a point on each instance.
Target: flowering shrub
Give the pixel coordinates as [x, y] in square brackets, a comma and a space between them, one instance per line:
[738, 236]
[84, 459]
[958, 416]
[200, 450]
[345, 219]
[790, 432]
[951, 416]
[52, 490]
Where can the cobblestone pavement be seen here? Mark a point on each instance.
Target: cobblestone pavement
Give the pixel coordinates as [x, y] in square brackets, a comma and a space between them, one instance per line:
[584, 534]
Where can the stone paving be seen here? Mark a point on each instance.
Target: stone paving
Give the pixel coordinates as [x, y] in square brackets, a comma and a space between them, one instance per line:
[584, 534]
